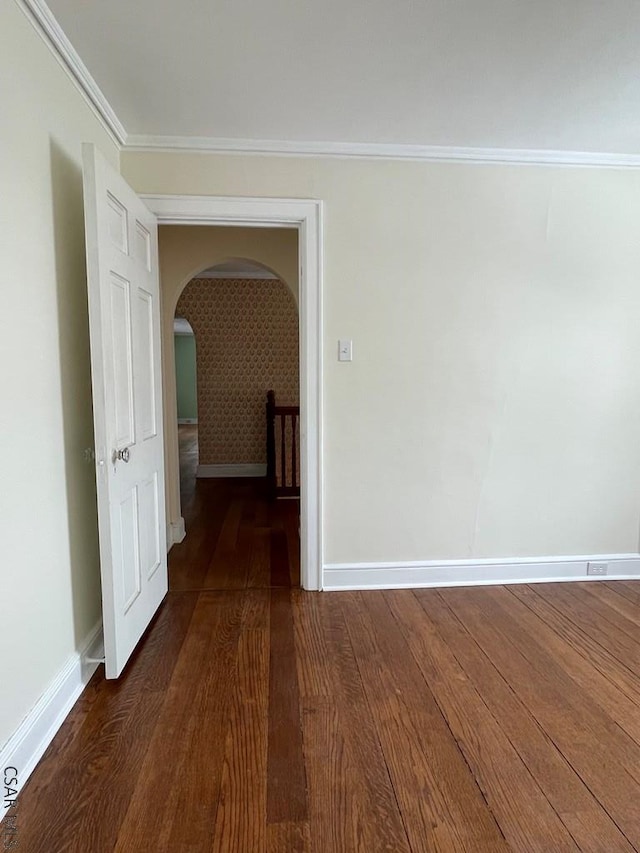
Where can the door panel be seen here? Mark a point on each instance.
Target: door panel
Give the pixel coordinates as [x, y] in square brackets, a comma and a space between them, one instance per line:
[143, 245]
[148, 525]
[128, 535]
[146, 365]
[122, 354]
[117, 223]
[124, 321]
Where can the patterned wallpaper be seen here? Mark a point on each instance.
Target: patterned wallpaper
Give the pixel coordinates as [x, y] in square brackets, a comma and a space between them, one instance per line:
[246, 334]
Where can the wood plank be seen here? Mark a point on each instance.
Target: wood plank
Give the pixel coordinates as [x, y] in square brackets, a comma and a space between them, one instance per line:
[189, 560]
[579, 810]
[242, 804]
[347, 773]
[191, 730]
[288, 838]
[441, 805]
[279, 558]
[104, 738]
[573, 635]
[259, 574]
[262, 508]
[630, 589]
[598, 682]
[231, 570]
[313, 659]
[500, 771]
[601, 754]
[609, 593]
[292, 528]
[249, 503]
[229, 566]
[329, 779]
[606, 633]
[612, 607]
[286, 779]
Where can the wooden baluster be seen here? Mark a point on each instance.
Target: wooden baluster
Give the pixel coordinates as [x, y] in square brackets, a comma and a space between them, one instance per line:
[294, 461]
[280, 414]
[271, 445]
[283, 451]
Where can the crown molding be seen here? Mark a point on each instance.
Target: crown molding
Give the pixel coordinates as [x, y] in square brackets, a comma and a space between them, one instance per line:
[381, 151]
[45, 24]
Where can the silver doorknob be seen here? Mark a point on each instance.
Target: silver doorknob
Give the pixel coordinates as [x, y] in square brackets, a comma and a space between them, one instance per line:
[121, 455]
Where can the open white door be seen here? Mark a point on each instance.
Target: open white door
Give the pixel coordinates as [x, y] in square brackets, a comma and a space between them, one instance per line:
[124, 321]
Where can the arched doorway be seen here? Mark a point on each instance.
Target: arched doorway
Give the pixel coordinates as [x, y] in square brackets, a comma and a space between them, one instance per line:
[246, 323]
[185, 349]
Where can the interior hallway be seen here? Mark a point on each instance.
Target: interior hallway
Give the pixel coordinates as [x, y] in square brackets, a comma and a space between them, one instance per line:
[237, 539]
[255, 717]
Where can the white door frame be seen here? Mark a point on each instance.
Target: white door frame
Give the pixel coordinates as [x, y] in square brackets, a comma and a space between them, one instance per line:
[306, 216]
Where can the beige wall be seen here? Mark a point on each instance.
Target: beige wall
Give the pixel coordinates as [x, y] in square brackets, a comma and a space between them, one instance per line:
[49, 571]
[493, 405]
[186, 251]
[246, 343]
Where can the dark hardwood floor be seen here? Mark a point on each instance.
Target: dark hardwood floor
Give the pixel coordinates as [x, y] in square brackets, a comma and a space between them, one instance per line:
[257, 717]
[237, 539]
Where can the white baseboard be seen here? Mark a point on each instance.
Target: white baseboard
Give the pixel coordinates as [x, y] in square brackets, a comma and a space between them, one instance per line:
[187, 420]
[244, 469]
[409, 575]
[27, 745]
[176, 532]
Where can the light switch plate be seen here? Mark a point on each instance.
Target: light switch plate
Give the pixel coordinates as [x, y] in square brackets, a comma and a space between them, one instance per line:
[345, 350]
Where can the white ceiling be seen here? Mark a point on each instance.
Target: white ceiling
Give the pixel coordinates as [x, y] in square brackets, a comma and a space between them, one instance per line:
[534, 74]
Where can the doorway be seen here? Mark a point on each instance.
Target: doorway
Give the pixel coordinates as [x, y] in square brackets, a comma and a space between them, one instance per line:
[306, 217]
[184, 345]
[235, 338]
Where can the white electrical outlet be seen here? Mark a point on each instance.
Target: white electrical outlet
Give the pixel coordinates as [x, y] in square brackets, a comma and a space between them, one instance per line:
[597, 568]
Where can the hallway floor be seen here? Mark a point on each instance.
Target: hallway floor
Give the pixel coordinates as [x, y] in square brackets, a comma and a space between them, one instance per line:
[237, 539]
[257, 717]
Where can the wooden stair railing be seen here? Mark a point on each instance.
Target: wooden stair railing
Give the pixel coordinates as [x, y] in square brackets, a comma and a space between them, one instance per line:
[288, 486]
